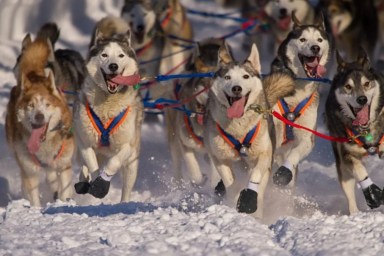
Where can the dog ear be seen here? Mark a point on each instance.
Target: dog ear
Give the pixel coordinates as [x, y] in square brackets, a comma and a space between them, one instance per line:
[319, 21]
[254, 58]
[26, 41]
[341, 64]
[362, 59]
[225, 56]
[296, 22]
[51, 84]
[127, 37]
[99, 36]
[51, 57]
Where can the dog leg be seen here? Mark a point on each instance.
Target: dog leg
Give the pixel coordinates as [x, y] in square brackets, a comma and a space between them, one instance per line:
[193, 167]
[31, 187]
[53, 182]
[176, 156]
[65, 186]
[129, 177]
[348, 183]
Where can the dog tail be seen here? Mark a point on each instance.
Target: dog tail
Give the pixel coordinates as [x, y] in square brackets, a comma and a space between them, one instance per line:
[49, 30]
[278, 85]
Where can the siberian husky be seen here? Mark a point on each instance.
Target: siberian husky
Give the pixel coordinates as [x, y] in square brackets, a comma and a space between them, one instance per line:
[354, 109]
[107, 117]
[303, 54]
[151, 44]
[68, 65]
[233, 131]
[188, 137]
[38, 125]
[354, 23]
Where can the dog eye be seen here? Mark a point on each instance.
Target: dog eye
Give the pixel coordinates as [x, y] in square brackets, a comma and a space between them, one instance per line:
[245, 76]
[132, 15]
[320, 40]
[303, 40]
[348, 86]
[366, 84]
[47, 105]
[121, 55]
[227, 77]
[30, 105]
[104, 55]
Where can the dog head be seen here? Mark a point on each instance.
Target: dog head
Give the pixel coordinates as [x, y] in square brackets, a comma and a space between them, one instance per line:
[306, 48]
[340, 14]
[204, 58]
[280, 11]
[39, 106]
[237, 85]
[357, 88]
[141, 17]
[110, 59]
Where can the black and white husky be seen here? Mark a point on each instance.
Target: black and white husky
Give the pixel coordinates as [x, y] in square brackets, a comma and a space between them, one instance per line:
[354, 109]
[233, 131]
[107, 117]
[303, 54]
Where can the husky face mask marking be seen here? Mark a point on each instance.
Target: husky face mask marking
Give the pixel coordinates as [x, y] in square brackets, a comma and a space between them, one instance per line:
[357, 93]
[141, 18]
[236, 85]
[112, 58]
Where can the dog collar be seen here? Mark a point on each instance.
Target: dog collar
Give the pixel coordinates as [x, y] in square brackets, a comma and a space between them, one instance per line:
[105, 130]
[198, 139]
[242, 145]
[292, 114]
[365, 141]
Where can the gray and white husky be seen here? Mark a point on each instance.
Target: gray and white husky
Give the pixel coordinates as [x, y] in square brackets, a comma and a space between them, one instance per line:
[233, 131]
[354, 108]
[303, 54]
[107, 117]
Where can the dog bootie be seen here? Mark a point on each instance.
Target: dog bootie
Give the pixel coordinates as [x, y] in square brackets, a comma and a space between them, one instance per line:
[373, 195]
[220, 189]
[82, 187]
[282, 176]
[99, 187]
[247, 202]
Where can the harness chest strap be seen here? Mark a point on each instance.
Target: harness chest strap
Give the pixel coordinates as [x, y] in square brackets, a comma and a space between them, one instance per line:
[244, 143]
[37, 161]
[292, 114]
[360, 140]
[105, 130]
[196, 138]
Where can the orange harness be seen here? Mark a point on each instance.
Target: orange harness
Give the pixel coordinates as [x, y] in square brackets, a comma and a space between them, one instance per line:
[371, 149]
[36, 160]
[198, 139]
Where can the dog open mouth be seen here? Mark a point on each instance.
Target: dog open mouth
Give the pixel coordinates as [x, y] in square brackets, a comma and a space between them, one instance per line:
[111, 85]
[312, 67]
[139, 37]
[237, 105]
[284, 22]
[361, 115]
[37, 136]
[114, 80]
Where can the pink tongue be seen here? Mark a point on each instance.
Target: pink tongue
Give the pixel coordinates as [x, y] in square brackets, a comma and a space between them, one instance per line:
[126, 80]
[34, 141]
[314, 63]
[237, 109]
[321, 70]
[284, 23]
[362, 116]
[200, 119]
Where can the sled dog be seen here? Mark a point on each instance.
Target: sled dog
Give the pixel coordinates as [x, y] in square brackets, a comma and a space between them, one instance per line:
[233, 131]
[68, 65]
[38, 125]
[107, 117]
[354, 109]
[303, 54]
[188, 138]
[354, 23]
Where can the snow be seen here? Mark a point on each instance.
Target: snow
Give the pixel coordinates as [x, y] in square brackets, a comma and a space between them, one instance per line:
[163, 220]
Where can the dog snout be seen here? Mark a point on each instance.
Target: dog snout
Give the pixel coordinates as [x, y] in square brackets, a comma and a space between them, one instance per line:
[113, 67]
[237, 90]
[39, 118]
[362, 100]
[315, 49]
[140, 28]
[283, 12]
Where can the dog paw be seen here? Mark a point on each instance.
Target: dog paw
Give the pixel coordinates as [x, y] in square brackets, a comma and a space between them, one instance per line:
[99, 187]
[220, 189]
[373, 196]
[247, 202]
[82, 187]
[282, 176]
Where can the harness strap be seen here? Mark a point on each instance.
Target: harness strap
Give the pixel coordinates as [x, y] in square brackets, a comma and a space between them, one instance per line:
[362, 142]
[144, 48]
[244, 143]
[292, 114]
[167, 18]
[198, 139]
[37, 161]
[104, 131]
